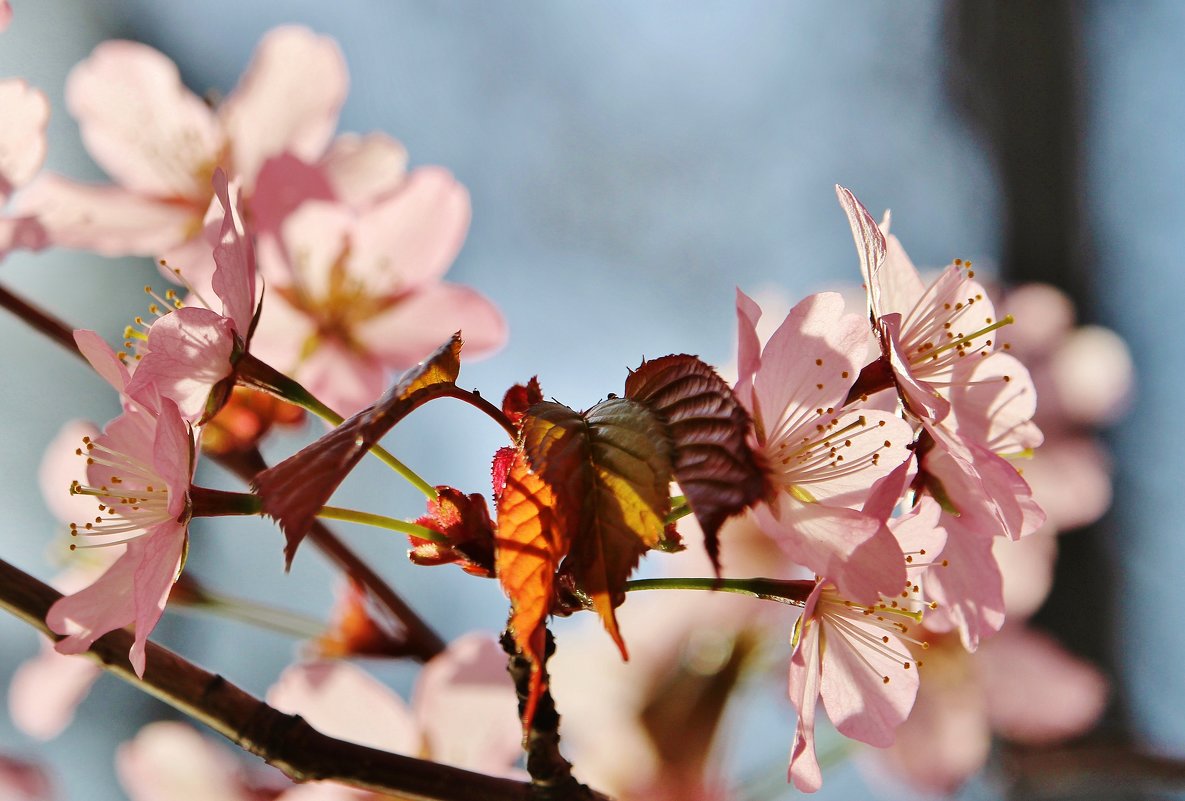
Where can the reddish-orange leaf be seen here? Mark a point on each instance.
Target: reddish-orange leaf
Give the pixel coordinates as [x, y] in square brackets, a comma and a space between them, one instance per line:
[521, 397]
[614, 462]
[714, 464]
[295, 490]
[532, 539]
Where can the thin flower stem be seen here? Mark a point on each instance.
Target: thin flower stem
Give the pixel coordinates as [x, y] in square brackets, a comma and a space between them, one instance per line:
[792, 592]
[474, 399]
[257, 374]
[263, 616]
[677, 512]
[381, 521]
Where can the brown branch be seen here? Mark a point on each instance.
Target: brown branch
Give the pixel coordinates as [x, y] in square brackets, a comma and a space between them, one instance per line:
[285, 741]
[423, 643]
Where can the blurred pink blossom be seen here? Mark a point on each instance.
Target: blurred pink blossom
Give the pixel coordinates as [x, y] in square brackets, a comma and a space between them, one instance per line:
[22, 151]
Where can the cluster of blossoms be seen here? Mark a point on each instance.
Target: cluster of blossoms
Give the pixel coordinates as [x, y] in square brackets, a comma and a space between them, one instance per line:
[877, 449]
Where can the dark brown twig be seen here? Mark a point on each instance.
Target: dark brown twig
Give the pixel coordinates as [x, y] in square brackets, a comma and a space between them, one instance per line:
[285, 741]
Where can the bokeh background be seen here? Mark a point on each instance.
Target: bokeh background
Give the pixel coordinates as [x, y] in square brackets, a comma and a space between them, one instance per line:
[631, 164]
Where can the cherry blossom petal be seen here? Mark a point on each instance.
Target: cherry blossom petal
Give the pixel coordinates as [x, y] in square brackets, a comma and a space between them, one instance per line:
[967, 585]
[24, 781]
[234, 277]
[106, 219]
[870, 247]
[804, 686]
[343, 701]
[994, 401]
[173, 456]
[1026, 567]
[344, 379]
[188, 353]
[748, 347]
[172, 762]
[810, 362]
[282, 333]
[1038, 693]
[133, 590]
[285, 183]
[1071, 481]
[416, 325]
[920, 398]
[103, 359]
[857, 437]
[315, 237]
[288, 99]
[901, 287]
[45, 691]
[410, 240]
[5, 15]
[465, 703]
[364, 169]
[947, 738]
[859, 701]
[22, 132]
[855, 551]
[143, 127]
[1093, 374]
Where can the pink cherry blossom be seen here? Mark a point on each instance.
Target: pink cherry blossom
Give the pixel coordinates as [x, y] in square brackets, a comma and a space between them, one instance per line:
[161, 143]
[139, 469]
[924, 331]
[821, 458]
[355, 295]
[22, 151]
[21, 780]
[5, 15]
[857, 658]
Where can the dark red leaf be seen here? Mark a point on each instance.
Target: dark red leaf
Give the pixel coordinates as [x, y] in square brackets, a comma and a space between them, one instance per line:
[714, 465]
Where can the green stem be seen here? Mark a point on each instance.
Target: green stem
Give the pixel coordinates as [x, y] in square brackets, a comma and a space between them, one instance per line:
[381, 521]
[256, 614]
[253, 373]
[792, 592]
[677, 512]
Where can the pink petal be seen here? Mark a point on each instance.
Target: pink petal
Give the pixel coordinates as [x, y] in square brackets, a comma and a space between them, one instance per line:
[1038, 693]
[45, 691]
[342, 701]
[416, 325]
[283, 185]
[173, 455]
[103, 359]
[993, 402]
[816, 344]
[22, 131]
[315, 238]
[860, 703]
[106, 219]
[143, 127]
[188, 353]
[748, 347]
[1026, 567]
[880, 433]
[1044, 317]
[1094, 375]
[1071, 480]
[234, 278]
[342, 378]
[287, 100]
[172, 762]
[133, 590]
[899, 283]
[870, 246]
[60, 467]
[920, 398]
[282, 332]
[946, 738]
[364, 169]
[24, 781]
[856, 552]
[804, 686]
[465, 703]
[411, 239]
[5, 15]
[967, 586]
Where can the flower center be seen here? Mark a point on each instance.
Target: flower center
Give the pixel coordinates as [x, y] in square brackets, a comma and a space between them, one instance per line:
[131, 500]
